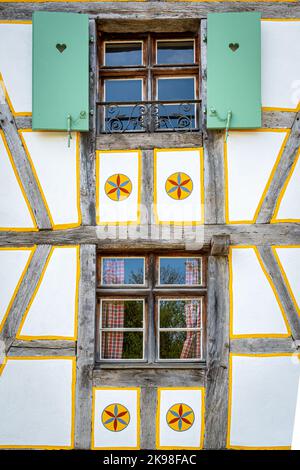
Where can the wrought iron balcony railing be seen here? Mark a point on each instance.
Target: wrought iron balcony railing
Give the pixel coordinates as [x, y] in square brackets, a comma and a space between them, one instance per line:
[148, 116]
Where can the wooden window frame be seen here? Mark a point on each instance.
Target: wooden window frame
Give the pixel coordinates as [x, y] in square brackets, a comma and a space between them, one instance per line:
[150, 70]
[151, 292]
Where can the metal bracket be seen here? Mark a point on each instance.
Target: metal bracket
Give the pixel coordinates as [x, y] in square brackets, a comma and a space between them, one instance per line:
[227, 119]
[69, 129]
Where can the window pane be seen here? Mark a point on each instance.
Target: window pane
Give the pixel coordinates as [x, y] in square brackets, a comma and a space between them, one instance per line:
[172, 89]
[186, 271]
[122, 314]
[120, 53]
[122, 271]
[123, 90]
[122, 345]
[180, 313]
[180, 345]
[119, 118]
[175, 52]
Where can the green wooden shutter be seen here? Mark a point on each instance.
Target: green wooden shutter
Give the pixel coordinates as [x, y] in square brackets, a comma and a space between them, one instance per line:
[233, 70]
[60, 71]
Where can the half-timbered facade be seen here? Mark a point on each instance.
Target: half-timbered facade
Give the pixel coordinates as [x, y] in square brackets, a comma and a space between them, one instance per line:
[149, 224]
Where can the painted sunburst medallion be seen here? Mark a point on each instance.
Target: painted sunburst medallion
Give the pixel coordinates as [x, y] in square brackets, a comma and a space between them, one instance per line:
[180, 417]
[179, 186]
[118, 187]
[115, 417]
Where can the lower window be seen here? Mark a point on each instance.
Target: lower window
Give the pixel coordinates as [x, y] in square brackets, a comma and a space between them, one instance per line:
[151, 309]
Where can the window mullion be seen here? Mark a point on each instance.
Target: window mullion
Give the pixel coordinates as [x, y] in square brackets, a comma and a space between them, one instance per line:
[151, 346]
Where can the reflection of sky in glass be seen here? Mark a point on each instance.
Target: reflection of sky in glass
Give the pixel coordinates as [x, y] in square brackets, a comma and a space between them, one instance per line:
[123, 90]
[181, 52]
[118, 54]
[133, 270]
[171, 89]
[172, 270]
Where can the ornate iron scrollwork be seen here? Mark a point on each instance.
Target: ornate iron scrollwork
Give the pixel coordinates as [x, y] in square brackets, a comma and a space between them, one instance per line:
[149, 116]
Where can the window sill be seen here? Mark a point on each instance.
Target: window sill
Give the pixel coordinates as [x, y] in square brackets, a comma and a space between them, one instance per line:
[196, 365]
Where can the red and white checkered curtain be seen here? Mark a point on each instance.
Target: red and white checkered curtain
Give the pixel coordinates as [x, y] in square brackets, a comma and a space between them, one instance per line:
[113, 312]
[192, 344]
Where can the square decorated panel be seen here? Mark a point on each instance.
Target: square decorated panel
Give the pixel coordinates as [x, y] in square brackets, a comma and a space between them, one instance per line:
[178, 186]
[180, 418]
[116, 418]
[118, 187]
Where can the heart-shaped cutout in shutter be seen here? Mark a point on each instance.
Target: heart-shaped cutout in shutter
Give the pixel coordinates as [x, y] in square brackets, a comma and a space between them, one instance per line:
[234, 46]
[61, 47]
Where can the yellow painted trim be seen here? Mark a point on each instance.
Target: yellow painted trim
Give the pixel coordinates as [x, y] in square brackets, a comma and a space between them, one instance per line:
[18, 229]
[158, 446]
[93, 1]
[228, 446]
[274, 219]
[283, 273]
[32, 250]
[49, 337]
[56, 226]
[138, 213]
[184, 222]
[269, 181]
[44, 358]
[138, 390]
[258, 335]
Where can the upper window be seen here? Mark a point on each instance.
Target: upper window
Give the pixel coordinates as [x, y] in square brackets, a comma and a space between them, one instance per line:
[151, 309]
[148, 83]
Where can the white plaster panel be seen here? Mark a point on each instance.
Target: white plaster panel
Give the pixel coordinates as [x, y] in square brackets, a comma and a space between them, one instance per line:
[111, 163]
[280, 64]
[250, 158]
[175, 439]
[296, 431]
[36, 403]
[128, 437]
[53, 310]
[264, 394]
[167, 163]
[290, 261]
[14, 212]
[57, 170]
[12, 265]
[289, 207]
[16, 64]
[254, 306]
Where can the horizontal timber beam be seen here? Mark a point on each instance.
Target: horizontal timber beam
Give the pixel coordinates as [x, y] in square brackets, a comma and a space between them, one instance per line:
[270, 119]
[150, 10]
[114, 238]
[262, 345]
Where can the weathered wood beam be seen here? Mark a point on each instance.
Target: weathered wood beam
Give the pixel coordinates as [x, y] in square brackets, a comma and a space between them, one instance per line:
[270, 119]
[24, 295]
[42, 352]
[150, 10]
[23, 167]
[145, 377]
[216, 413]
[278, 119]
[88, 141]
[107, 237]
[85, 346]
[149, 141]
[44, 344]
[287, 159]
[220, 245]
[262, 345]
[273, 269]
